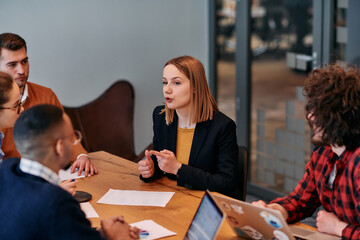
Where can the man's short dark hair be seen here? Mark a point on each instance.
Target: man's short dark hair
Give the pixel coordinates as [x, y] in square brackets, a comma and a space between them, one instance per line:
[11, 41]
[333, 99]
[35, 123]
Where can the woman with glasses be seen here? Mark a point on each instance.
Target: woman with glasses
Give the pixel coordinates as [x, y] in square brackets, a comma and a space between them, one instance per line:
[10, 104]
[193, 141]
[10, 108]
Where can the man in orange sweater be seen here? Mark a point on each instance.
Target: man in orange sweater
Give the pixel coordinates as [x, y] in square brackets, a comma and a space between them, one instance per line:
[14, 61]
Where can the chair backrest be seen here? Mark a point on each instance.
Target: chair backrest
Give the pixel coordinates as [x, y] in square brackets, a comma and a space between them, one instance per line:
[241, 176]
[107, 122]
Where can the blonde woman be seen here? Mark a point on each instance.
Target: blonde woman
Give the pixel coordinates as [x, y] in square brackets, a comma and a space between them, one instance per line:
[193, 141]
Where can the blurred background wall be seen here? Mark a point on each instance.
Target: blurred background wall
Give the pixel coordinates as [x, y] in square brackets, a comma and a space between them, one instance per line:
[79, 48]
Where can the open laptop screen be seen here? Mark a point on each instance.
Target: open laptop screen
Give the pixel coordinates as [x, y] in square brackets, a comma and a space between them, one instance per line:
[206, 222]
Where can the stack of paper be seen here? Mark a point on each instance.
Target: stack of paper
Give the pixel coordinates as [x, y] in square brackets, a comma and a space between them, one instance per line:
[66, 174]
[88, 210]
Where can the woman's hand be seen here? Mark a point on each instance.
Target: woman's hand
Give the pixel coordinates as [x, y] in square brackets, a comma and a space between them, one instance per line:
[328, 222]
[146, 166]
[167, 161]
[69, 185]
[83, 163]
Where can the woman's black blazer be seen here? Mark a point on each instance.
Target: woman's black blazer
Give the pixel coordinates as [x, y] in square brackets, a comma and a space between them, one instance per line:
[213, 155]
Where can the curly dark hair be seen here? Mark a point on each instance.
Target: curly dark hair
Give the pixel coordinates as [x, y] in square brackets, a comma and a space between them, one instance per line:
[333, 104]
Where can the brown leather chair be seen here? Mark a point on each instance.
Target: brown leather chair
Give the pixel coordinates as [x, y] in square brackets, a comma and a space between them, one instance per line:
[107, 122]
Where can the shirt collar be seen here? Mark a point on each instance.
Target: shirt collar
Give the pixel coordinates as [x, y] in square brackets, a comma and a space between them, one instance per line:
[2, 154]
[37, 169]
[25, 94]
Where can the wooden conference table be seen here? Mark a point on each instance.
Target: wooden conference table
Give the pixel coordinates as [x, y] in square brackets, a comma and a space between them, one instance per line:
[121, 174]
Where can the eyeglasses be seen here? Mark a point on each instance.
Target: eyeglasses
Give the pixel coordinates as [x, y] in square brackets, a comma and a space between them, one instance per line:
[76, 138]
[17, 108]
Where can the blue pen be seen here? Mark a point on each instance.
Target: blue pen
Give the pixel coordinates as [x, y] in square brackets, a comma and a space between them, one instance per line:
[73, 180]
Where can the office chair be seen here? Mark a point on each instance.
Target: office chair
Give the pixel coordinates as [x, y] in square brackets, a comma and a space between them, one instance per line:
[107, 122]
[241, 176]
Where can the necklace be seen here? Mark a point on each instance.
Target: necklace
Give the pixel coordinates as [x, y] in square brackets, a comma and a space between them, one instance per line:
[188, 126]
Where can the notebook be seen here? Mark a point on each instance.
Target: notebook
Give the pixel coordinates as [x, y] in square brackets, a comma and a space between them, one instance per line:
[207, 220]
[253, 222]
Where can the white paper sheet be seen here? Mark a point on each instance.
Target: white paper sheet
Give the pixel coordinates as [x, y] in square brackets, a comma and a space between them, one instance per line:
[88, 210]
[151, 230]
[136, 198]
[66, 174]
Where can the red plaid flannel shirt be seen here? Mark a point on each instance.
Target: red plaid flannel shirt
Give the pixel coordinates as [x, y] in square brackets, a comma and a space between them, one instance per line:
[313, 190]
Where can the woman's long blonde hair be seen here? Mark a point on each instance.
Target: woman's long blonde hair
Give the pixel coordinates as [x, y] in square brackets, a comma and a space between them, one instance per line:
[202, 102]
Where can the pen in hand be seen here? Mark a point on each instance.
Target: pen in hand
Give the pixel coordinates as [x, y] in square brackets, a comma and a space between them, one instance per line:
[69, 185]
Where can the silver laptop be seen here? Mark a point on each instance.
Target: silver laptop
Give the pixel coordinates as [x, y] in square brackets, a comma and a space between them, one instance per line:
[253, 222]
[207, 220]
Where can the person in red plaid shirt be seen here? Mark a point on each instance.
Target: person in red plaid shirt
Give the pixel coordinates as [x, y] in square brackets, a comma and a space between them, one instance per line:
[332, 177]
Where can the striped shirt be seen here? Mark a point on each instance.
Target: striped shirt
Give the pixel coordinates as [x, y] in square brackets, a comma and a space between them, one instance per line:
[2, 154]
[39, 170]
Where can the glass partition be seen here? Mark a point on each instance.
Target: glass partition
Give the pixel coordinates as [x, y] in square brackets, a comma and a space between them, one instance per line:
[281, 42]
